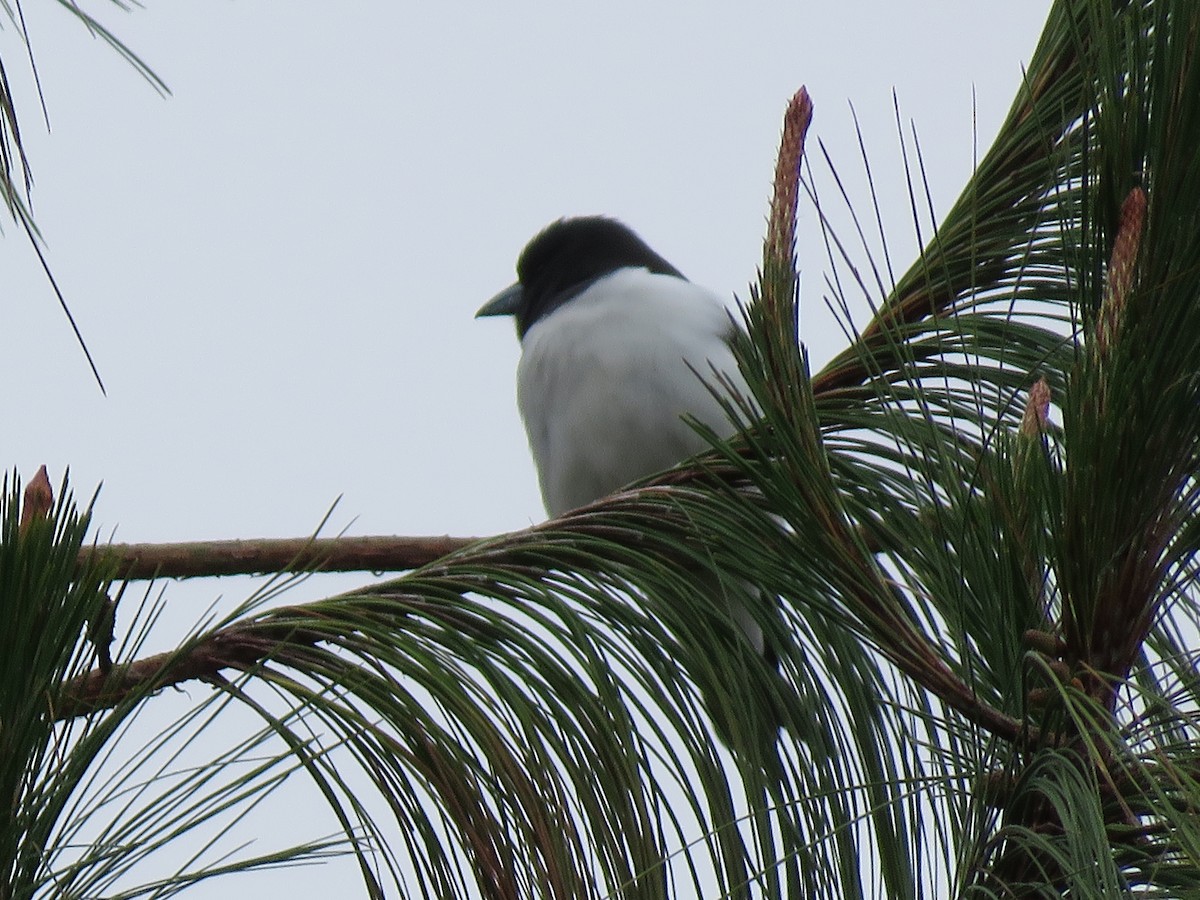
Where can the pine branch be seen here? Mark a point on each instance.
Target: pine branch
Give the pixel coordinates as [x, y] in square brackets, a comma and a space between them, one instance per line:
[962, 262]
[242, 647]
[207, 559]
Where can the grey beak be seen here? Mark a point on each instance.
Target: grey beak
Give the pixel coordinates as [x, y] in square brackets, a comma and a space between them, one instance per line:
[505, 303]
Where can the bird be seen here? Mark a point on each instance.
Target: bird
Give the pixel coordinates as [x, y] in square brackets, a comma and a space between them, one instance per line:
[614, 345]
[618, 351]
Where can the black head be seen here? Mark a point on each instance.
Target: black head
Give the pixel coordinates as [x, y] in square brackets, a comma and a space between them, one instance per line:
[564, 259]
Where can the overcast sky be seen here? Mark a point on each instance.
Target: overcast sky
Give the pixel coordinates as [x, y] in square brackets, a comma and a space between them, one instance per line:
[276, 267]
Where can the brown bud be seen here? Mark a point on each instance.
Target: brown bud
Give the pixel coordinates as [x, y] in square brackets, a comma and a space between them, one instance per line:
[1037, 409]
[1121, 267]
[781, 226]
[39, 499]
[1038, 698]
[1060, 669]
[1044, 642]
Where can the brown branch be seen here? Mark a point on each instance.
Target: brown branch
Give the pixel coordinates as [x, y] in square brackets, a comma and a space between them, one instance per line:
[201, 559]
[241, 646]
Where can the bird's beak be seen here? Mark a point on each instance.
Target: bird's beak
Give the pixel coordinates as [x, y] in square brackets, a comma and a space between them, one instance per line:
[505, 303]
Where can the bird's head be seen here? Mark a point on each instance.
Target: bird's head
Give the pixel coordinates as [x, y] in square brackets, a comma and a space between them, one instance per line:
[563, 260]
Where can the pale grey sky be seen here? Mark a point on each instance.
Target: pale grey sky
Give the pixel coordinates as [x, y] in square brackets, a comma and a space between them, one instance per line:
[276, 268]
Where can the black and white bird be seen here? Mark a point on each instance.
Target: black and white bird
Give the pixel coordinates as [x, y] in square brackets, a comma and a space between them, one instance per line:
[617, 348]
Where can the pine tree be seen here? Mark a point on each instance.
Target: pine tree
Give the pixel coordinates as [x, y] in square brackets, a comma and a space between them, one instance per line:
[970, 537]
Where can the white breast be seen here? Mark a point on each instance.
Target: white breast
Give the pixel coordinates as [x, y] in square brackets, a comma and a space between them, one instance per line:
[604, 381]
